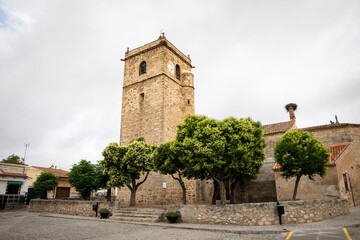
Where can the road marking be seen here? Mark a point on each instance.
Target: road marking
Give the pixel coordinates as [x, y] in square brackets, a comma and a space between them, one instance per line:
[346, 233]
[288, 237]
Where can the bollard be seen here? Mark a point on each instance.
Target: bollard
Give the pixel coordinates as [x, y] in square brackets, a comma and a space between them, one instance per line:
[281, 210]
[95, 208]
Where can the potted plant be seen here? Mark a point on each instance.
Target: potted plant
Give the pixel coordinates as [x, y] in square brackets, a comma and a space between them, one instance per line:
[173, 217]
[104, 213]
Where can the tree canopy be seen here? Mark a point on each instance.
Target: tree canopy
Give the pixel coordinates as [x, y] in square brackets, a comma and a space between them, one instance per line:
[126, 164]
[224, 149]
[85, 177]
[167, 161]
[301, 154]
[13, 159]
[46, 181]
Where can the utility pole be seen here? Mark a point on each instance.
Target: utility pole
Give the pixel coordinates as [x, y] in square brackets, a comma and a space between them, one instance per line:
[26, 145]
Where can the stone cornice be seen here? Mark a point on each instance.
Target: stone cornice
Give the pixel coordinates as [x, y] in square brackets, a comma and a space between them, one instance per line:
[330, 126]
[158, 75]
[155, 44]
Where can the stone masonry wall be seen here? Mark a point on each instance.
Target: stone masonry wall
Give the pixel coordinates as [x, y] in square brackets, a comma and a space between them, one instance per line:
[69, 207]
[153, 104]
[260, 214]
[334, 134]
[152, 192]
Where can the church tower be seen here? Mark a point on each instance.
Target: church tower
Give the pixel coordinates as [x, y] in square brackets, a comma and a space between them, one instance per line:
[158, 92]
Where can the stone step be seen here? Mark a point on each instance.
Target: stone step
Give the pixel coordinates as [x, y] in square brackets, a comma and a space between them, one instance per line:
[138, 214]
[143, 210]
[132, 219]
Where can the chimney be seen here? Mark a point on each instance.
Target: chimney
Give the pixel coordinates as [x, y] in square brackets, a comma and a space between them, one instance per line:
[291, 107]
[52, 166]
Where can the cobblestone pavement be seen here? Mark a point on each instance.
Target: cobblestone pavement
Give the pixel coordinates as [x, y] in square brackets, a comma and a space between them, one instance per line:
[23, 225]
[20, 224]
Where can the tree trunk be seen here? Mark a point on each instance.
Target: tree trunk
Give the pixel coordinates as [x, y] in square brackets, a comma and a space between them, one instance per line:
[296, 186]
[232, 192]
[182, 184]
[108, 195]
[132, 198]
[184, 192]
[215, 193]
[222, 193]
[244, 190]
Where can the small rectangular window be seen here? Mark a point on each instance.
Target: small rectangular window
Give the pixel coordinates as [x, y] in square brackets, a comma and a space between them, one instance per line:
[345, 182]
[188, 101]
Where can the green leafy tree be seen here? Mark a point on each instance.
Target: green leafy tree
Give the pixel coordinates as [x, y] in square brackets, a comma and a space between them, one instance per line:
[101, 180]
[13, 159]
[244, 149]
[224, 150]
[167, 161]
[126, 164]
[202, 148]
[46, 181]
[301, 154]
[84, 177]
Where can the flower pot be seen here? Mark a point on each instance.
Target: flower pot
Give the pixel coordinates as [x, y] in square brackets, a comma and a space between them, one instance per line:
[104, 215]
[172, 219]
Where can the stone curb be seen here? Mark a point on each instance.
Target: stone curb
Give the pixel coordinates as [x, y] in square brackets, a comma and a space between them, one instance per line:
[356, 225]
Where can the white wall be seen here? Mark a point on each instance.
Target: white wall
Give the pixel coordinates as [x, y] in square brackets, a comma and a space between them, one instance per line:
[4, 182]
[3, 185]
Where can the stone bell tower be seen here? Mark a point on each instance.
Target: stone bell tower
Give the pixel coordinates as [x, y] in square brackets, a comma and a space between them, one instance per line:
[158, 92]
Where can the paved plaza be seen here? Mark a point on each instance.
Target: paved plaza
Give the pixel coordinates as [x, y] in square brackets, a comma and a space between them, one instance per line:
[20, 224]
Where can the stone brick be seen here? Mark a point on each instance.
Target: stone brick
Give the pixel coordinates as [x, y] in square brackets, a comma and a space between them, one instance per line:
[153, 104]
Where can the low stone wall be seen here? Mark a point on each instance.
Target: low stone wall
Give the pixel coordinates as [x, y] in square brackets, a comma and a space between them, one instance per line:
[260, 214]
[69, 207]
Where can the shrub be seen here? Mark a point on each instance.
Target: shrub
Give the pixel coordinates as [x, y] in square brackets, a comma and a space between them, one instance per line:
[172, 214]
[104, 210]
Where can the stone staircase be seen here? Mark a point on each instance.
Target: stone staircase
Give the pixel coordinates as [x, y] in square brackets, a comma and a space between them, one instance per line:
[138, 214]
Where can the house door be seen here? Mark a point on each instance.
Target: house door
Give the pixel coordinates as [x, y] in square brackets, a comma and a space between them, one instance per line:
[31, 194]
[62, 192]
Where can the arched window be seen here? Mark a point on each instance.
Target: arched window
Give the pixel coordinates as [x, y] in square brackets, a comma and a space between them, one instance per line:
[177, 71]
[142, 68]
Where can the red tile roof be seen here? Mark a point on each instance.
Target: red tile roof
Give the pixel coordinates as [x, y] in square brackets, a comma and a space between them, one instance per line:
[329, 126]
[278, 127]
[13, 175]
[336, 152]
[57, 172]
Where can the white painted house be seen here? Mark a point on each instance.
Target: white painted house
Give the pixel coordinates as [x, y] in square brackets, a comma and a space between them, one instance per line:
[14, 184]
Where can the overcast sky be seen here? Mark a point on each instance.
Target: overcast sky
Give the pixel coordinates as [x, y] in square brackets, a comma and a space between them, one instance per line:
[61, 74]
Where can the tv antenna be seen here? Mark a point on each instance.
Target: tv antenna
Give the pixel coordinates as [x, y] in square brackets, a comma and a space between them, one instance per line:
[26, 145]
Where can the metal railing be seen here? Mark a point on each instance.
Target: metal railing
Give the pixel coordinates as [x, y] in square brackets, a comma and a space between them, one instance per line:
[11, 198]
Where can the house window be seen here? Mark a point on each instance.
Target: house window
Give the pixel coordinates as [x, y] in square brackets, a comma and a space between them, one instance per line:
[345, 182]
[177, 71]
[13, 187]
[142, 68]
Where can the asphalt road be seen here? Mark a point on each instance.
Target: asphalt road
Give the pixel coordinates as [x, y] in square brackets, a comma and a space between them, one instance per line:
[321, 234]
